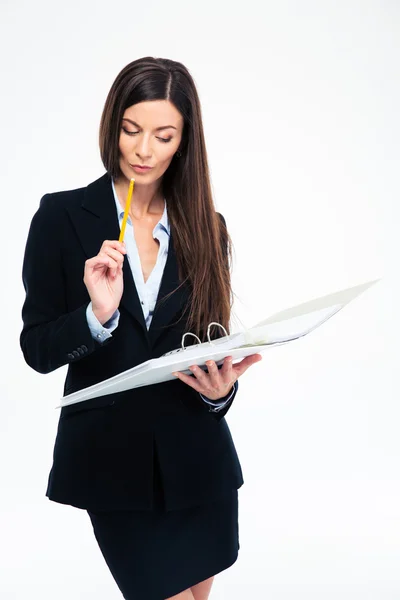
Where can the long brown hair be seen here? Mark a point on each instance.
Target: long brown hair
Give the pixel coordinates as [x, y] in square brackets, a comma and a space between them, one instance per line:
[202, 243]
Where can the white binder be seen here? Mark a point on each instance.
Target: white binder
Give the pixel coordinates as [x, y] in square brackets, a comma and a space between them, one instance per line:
[280, 328]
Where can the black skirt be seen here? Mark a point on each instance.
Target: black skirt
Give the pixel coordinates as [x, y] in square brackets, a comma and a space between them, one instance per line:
[155, 554]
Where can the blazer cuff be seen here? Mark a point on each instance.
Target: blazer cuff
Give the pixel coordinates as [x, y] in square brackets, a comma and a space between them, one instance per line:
[218, 405]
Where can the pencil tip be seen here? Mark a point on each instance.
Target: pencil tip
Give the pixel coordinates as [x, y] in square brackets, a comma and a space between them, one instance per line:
[132, 179]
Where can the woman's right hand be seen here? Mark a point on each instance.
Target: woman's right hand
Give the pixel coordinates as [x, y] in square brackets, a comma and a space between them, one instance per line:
[104, 280]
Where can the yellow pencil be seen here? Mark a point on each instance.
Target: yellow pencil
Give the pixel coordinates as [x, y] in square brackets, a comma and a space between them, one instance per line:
[126, 212]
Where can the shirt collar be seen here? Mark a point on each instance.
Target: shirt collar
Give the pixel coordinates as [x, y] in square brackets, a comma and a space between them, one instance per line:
[163, 222]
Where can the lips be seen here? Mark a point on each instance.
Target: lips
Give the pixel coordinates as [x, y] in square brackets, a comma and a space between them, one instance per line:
[141, 167]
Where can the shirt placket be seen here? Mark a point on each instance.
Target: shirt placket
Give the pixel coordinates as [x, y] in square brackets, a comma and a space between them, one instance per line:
[134, 261]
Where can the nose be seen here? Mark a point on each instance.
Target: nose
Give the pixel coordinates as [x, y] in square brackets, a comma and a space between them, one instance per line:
[142, 148]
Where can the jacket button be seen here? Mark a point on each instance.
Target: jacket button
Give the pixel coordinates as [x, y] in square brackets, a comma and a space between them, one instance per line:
[70, 356]
[84, 348]
[75, 353]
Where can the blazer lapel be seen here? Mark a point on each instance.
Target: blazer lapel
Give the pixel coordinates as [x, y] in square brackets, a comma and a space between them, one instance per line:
[96, 220]
[166, 308]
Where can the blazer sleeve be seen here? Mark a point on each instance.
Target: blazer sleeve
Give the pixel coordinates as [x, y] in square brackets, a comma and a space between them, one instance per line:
[51, 337]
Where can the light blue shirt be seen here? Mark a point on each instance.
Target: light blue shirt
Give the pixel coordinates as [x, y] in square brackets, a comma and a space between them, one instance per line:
[147, 290]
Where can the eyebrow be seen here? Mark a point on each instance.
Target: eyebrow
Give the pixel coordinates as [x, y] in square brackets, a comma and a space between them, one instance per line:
[157, 128]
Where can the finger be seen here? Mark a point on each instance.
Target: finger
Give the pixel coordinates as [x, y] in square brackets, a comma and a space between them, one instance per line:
[228, 374]
[115, 254]
[102, 260]
[213, 373]
[226, 371]
[120, 246]
[247, 362]
[99, 260]
[192, 381]
[111, 262]
[202, 377]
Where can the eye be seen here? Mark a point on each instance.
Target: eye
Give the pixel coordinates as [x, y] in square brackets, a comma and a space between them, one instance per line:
[165, 140]
[129, 132]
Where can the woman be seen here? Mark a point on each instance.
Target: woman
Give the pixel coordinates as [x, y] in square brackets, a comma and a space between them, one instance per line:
[155, 467]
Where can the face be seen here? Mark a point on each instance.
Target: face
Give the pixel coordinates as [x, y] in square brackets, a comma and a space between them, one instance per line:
[150, 135]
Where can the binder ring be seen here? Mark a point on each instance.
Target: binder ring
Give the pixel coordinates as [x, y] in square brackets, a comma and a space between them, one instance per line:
[208, 330]
[189, 333]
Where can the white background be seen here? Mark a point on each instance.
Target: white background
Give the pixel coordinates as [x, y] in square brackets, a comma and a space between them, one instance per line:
[301, 112]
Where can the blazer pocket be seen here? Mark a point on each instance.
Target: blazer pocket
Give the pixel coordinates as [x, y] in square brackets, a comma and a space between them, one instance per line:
[85, 405]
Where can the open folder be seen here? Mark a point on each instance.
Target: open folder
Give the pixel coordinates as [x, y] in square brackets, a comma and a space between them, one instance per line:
[280, 328]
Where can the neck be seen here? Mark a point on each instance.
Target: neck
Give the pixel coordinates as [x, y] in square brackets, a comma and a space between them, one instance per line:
[146, 199]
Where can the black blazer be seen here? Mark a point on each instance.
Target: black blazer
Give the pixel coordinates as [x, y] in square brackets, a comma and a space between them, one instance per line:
[103, 453]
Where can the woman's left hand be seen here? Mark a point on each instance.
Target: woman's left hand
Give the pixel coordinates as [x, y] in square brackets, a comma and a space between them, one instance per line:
[217, 383]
